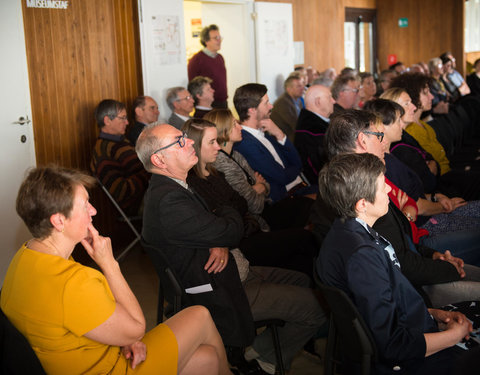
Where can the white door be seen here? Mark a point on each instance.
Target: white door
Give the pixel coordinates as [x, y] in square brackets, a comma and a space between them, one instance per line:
[16, 140]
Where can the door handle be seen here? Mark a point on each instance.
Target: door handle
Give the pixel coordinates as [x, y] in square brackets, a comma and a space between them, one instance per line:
[22, 121]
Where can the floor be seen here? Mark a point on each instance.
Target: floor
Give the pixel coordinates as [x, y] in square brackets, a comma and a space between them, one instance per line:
[143, 280]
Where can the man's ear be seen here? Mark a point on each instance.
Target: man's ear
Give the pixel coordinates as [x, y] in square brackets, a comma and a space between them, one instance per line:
[106, 120]
[158, 160]
[251, 112]
[138, 111]
[362, 142]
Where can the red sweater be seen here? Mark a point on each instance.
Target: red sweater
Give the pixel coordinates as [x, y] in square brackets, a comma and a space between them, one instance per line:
[416, 231]
[203, 65]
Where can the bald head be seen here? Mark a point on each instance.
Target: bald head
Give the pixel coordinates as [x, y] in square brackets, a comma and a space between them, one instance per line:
[318, 99]
[163, 150]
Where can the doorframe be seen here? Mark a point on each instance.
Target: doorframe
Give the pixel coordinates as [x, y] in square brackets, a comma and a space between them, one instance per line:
[358, 15]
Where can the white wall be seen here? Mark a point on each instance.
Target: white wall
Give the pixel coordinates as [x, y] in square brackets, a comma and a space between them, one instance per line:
[159, 76]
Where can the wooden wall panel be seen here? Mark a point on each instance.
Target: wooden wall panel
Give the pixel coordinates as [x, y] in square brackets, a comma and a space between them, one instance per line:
[369, 4]
[434, 26]
[77, 57]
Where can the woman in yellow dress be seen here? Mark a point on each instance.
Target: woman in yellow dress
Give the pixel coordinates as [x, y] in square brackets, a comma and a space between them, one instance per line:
[82, 321]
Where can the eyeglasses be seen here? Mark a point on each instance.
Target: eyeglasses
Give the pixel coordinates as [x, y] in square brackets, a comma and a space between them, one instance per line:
[218, 37]
[352, 90]
[185, 98]
[379, 135]
[124, 118]
[180, 140]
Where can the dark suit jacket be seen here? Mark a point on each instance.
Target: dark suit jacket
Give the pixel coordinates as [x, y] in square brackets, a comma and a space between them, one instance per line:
[179, 222]
[309, 141]
[284, 114]
[262, 161]
[175, 121]
[135, 131]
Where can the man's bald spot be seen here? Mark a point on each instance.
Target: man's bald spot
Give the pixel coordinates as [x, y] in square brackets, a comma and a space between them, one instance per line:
[165, 134]
[314, 92]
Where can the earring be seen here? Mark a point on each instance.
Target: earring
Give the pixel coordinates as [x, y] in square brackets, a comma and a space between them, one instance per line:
[224, 143]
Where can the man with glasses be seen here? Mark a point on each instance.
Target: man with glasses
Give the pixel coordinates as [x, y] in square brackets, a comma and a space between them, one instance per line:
[197, 243]
[114, 160]
[209, 63]
[345, 92]
[180, 101]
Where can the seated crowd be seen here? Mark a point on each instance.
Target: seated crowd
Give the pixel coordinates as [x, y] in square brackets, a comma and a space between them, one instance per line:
[375, 183]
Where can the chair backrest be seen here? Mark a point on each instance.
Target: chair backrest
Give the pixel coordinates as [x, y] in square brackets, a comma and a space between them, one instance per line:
[16, 354]
[170, 286]
[357, 343]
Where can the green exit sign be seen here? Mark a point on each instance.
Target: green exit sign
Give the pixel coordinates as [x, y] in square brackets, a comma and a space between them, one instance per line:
[403, 22]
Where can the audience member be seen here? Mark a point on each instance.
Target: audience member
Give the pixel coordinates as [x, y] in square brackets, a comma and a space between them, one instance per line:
[272, 155]
[292, 249]
[448, 279]
[345, 92]
[325, 78]
[362, 263]
[474, 79]
[311, 127]
[202, 94]
[196, 241]
[454, 182]
[454, 76]
[145, 111]
[79, 320]
[367, 88]
[288, 105]
[437, 88]
[180, 102]
[398, 68]
[290, 212]
[114, 160]
[209, 63]
[385, 78]
[453, 92]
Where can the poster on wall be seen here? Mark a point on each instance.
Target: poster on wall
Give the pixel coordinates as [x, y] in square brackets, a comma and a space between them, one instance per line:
[196, 27]
[166, 40]
[276, 41]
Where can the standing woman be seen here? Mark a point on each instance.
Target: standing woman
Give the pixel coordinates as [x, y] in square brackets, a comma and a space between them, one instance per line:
[291, 212]
[357, 260]
[79, 320]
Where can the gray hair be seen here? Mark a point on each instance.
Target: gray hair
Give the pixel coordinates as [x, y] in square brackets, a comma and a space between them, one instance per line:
[107, 107]
[146, 145]
[346, 179]
[195, 86]
[172, 96]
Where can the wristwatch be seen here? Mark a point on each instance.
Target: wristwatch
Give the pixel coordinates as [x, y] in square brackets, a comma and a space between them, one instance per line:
[433, 198]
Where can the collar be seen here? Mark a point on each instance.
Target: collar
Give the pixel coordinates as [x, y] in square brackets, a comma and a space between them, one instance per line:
[257, 133]
[111, 137]
[326, 119]
[209, 53]
[184, 118]
[180, 182]
[204, 108]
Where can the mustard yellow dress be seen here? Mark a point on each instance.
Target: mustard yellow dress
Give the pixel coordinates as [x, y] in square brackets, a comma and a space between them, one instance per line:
[54, 302]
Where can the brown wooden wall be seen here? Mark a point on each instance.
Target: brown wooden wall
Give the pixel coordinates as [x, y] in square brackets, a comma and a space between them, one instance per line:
[77, 57]
[434, 26]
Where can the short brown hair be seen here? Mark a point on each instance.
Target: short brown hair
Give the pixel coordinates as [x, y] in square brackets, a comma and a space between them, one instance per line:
[45, 192]
[246, 97]
[346, 179]
[224, 121]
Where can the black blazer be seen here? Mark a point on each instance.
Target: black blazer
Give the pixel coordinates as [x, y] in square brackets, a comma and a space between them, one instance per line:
[178, 221]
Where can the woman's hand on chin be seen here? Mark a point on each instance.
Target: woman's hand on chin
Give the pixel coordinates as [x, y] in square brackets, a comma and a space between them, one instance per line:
[98, 247]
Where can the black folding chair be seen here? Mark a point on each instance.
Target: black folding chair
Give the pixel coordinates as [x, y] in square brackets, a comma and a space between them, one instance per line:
[16, 355]
[349, 339]
[170, 290]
